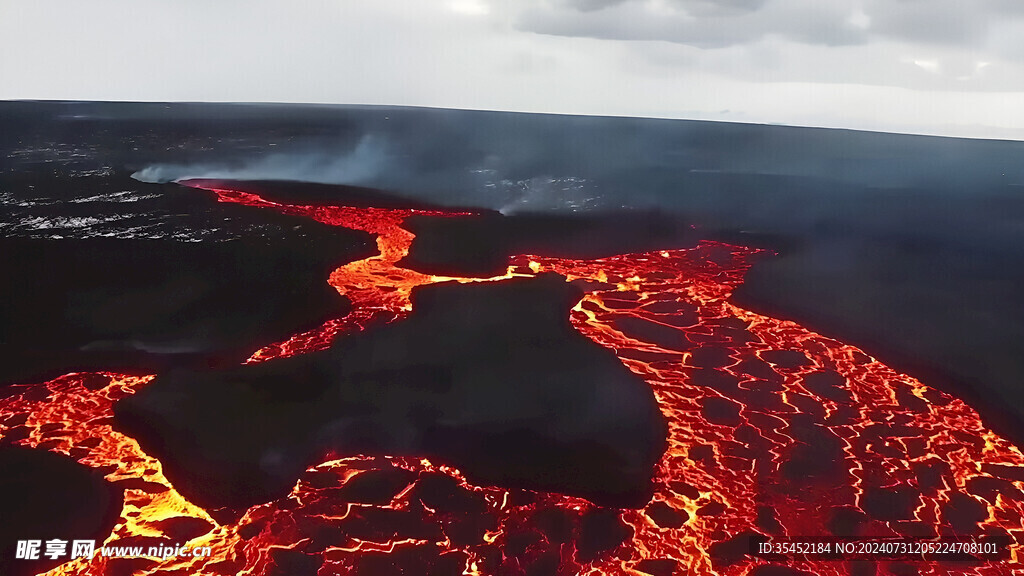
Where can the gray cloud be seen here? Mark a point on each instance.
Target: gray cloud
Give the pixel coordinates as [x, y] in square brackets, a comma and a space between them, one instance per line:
[700, 7]
[701, 23]
[933, 21]
[722, 23]
[591, 5]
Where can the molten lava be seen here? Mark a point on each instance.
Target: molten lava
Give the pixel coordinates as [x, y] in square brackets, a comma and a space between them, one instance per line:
[773, 430]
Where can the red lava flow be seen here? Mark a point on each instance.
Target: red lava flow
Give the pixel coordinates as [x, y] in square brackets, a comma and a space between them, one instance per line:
[773, 430]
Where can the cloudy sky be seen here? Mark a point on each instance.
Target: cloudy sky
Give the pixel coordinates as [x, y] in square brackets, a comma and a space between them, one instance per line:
[952, 67]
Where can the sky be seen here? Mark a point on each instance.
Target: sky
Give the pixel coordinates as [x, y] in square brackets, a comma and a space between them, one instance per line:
[946, 67]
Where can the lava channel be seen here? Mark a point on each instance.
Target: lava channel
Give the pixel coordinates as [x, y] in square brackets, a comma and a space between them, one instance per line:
[774, 432]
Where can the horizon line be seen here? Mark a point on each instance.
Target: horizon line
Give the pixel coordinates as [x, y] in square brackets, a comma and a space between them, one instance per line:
[506, 111]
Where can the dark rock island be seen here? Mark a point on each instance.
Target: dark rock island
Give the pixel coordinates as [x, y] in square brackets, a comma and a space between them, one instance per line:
[490, 378]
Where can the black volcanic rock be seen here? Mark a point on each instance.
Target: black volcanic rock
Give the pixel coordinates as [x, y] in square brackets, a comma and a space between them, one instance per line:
[491, 378]
[128, 303]
[43, 496]
[452, 245]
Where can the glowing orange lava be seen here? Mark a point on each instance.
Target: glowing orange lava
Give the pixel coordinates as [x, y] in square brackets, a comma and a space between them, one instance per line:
[753, 405]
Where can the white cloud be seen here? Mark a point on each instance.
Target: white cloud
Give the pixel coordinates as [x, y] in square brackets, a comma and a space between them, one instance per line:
[472, 7]
[930, 66]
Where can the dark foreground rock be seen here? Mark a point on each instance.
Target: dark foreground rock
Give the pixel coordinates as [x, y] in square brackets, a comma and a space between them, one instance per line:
[45, 496]
[491, 378]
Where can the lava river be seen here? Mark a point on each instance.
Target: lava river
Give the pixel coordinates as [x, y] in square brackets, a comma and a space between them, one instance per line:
[775, 432]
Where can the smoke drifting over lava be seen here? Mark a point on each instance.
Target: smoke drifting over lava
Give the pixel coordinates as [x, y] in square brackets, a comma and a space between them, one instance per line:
[362, 164]
[798, 389]
[938, 216]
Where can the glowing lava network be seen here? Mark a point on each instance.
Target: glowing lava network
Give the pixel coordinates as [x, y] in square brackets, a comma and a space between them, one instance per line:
[773, 430]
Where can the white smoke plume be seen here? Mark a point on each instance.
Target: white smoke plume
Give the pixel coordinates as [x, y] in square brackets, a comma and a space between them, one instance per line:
[364, 163]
